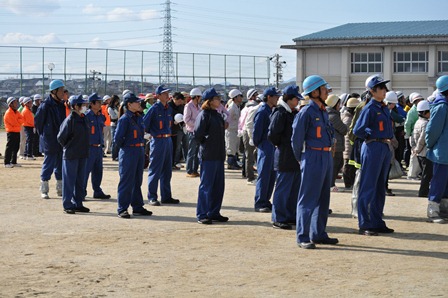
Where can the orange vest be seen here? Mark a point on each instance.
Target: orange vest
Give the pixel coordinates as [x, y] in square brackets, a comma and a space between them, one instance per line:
[13, 120]
[28, 117]
[106, 114]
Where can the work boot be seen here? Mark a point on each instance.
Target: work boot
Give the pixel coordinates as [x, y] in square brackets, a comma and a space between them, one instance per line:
[231, 163]
[59, 187]
[44, 188]
[434, 213]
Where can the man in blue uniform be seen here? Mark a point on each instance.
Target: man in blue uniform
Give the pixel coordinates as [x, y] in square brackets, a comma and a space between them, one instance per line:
[265, 153]
[158, 121]
[374, 126]
[48, 119]
[312, 140]
[95, 162]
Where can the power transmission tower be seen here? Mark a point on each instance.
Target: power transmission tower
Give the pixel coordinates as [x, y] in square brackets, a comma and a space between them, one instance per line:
[278, 65]
[167, 68]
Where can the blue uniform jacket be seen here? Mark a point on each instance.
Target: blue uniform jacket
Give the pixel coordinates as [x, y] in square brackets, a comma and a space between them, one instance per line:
[96, 125]
[130, 130]
[437, 131]
[74, 137]
[374, 122]
[209, 132]
[312, 128]
[261, 124]
[280, 132]
[158, 119]
[48, 119]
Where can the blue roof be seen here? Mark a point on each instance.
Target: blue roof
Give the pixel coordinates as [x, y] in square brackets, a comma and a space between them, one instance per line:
[381, 30]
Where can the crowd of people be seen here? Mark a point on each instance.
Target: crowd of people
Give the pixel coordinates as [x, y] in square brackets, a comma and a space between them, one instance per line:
[291, 145]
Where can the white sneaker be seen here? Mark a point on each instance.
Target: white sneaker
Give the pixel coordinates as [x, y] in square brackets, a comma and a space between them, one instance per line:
[8, 165]
[252, 182]
[30, 158]
[17, 165]
[22, 157]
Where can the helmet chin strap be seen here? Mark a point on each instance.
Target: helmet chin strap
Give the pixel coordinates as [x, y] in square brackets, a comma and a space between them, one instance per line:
[55, 95]
[319, 98]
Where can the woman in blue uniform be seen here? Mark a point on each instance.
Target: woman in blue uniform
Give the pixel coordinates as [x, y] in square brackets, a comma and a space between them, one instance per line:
[131, 158]
[284, 203]
[74, 138]
[374, 126]
[209, 132]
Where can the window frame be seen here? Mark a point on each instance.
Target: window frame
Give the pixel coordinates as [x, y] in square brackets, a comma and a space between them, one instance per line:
[366, 62]
[411, 61]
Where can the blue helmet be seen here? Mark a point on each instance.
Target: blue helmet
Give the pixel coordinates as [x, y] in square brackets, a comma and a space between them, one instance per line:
[442, 83]
[77, 99]
[292, 90]
[311, 83]
[130, 98]
[209, 94]
[94, 97]
[55, 84]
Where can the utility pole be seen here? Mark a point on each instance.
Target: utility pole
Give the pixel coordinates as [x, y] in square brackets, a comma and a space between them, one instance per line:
[94, 78]
[167, 67]
[278, 65]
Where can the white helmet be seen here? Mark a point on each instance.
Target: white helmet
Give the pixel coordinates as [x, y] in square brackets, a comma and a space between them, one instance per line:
[10, 100]
[251, 93]
[423, 106]
[391, 97]
[126, 92]
[106, 97]
[179, 118]
[415, 96]
[234, 93]
[195, 92]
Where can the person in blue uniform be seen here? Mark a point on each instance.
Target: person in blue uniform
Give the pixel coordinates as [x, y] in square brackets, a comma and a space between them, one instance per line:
[158, 121]
[74, 138]
[265, 151]
[209, 132]
[374, 126]
[129, 140]
[437, 144]
[95, 163]
[312, 141]
[48, 119]
[287, 187]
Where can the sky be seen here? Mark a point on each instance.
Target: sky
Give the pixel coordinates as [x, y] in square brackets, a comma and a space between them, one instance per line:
[241, 27]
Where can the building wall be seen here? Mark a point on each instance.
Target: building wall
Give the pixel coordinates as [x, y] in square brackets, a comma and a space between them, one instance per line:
[334, 64]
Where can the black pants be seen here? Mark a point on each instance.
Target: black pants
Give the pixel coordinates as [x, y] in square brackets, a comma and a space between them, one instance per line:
[407, 153]
[426, 166]
[12, 147]
[338, 163]
[29, 145]
[36, 145]
[348, 173]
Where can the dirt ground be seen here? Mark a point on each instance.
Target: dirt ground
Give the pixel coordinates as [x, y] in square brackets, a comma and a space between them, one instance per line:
[47, 253]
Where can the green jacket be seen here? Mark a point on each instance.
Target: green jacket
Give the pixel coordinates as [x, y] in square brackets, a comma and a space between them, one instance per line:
[411, 118]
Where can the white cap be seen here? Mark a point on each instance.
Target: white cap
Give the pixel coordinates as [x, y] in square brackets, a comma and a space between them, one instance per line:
[391, 97]
[106, 97]
[251, 93]
[423, 106]
[179, 118]
[234, 93]
[195, 92]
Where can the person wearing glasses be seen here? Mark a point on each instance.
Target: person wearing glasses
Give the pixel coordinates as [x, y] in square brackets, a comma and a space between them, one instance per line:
[374, 126]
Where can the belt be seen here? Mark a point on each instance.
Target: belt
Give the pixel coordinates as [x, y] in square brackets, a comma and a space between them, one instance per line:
[320, 148]
[137, 145]
[164, 135]
[378, 140]
[95, 145]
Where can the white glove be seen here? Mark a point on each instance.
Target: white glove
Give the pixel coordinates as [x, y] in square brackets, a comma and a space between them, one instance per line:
[251, 142]
[240, 133]
[147, 136]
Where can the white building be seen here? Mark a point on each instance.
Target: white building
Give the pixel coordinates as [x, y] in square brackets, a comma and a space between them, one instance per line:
[411, 54]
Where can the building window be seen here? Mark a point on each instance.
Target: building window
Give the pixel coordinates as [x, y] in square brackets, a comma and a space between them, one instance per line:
[410, 61]
[367, 62]
[443, 61]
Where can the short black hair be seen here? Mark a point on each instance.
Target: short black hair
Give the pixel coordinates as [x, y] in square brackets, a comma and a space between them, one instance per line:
[178, 95]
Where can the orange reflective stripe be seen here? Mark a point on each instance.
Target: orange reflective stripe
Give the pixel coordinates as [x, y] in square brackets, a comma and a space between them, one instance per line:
[381, 125]
[160, 124]
[135, 133]
[93, 130]
[318, 132]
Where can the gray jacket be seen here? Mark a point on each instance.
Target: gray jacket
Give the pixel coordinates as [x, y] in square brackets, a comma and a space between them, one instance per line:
[418, 136]
[347, 118]
[340, 129]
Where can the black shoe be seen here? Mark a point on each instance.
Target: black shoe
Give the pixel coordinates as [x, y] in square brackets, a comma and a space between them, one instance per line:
[142, 212]
[263, 210]
[384, 230]
[389, 193]
[367, 232]
[171, 201]
[175, 168]
[233, 167]
[205, 221]
[220, 218]
[281, 225]
[330, 211]
[330, 241]
[102, 196]
[154, 203]
[82, 209]
[124, 214]
[306, 245]
[69, 211]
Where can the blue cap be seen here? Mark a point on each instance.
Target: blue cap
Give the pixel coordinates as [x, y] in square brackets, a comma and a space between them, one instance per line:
[94, 97]
[55, 84]
[130, 97]
[272, 91]
[76, 99]
[209, 94]
[375, 80]
[160, 89]
[292, 90]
